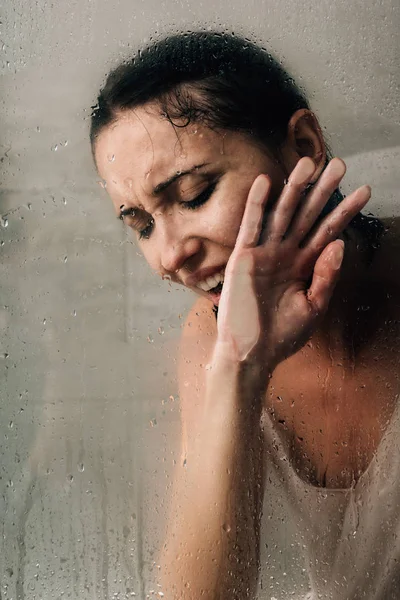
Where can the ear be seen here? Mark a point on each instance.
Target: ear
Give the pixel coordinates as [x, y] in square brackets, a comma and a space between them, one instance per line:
[304, 138]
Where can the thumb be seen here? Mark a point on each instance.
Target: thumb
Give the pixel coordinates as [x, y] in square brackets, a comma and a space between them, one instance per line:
[325, 276]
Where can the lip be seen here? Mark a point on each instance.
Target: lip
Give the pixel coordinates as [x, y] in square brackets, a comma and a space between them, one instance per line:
[193, 279]
[215, 298]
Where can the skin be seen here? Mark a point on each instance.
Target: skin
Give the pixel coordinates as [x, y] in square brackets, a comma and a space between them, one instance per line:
[332, 399]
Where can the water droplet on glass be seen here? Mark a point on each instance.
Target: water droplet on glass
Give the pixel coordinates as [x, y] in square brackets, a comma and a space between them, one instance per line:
[226, 527]
[55, 148]
[111, 157]
[70, 478]
[74, 313]
[11, 424]
[81, 467]
[29, 205]
[38, 129]
[150, 339]
[161, 330]
[44, 321]
[6, 355]
[103, 184]
[4, 221]
[64, 201]
[153, 422]
[65, 258]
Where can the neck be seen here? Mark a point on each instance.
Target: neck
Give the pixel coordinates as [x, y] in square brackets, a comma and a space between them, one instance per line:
[347, 322]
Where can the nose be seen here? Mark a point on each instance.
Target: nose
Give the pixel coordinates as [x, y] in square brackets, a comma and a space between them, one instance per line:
[176, 251]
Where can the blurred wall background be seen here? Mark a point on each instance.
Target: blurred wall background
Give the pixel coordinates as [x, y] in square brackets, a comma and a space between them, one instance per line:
[90, 414]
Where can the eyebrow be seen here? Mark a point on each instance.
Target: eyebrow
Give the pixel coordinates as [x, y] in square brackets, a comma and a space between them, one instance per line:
[164, 184]
[161, 187]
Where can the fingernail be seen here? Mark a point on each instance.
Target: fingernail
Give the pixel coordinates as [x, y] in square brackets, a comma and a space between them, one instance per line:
[338, 254]
[259, 189]
[302, 173]
[366, 188]
[337, 167]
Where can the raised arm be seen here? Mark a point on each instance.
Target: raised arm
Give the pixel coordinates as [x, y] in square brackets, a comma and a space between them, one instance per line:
[212, 544]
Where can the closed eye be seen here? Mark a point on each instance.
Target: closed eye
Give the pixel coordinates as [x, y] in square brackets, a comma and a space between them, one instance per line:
[135, 224]
[201, 198]
[189, 204]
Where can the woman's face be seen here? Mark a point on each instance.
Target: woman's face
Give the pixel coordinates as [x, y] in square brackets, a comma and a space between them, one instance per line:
[187, 188]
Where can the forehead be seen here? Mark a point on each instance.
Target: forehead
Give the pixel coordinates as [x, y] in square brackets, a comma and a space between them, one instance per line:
[142, 143]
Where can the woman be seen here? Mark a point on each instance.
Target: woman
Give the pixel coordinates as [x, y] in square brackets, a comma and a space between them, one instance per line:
[211, 154]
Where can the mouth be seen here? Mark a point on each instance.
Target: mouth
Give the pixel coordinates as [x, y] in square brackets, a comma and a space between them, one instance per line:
[209, 285]
[215, 293]
[212, 286]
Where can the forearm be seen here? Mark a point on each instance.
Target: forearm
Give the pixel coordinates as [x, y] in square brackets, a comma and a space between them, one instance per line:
[211, 549]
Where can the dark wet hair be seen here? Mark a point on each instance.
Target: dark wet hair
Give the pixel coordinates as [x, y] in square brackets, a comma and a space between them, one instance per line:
[218, 79]
[221, 80]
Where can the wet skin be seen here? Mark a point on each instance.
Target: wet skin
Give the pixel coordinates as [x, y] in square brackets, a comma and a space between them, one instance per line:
[332, 399]
[141, 151]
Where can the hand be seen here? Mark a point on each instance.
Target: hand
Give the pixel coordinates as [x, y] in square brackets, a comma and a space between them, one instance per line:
[267, 311]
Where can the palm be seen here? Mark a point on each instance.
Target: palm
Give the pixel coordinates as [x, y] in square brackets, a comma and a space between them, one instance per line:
[266, 306]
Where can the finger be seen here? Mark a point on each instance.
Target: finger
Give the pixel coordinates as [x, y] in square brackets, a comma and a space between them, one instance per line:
[316, 200]
[325, 276]
[250, 228]
[333, 224]
[284, 209]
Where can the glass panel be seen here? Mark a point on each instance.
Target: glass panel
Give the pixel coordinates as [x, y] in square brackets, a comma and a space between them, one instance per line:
[90, 433]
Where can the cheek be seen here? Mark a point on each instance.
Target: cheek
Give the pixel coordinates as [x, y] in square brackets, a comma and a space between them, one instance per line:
[226, 219]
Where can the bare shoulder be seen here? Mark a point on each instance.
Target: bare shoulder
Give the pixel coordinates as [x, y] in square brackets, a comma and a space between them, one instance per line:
[198, 333]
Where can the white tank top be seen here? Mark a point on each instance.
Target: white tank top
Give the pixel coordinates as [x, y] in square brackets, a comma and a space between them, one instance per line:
[336, 544]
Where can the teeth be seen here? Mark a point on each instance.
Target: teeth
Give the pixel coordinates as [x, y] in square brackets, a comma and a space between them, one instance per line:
[210, 282]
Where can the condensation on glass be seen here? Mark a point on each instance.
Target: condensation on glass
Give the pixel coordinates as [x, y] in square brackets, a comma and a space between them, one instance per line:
[89, 402]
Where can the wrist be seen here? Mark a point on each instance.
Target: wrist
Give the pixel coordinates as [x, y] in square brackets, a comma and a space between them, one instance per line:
[251, 371]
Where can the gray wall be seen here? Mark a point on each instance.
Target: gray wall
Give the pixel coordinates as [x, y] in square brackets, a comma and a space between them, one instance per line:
[90, 414]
